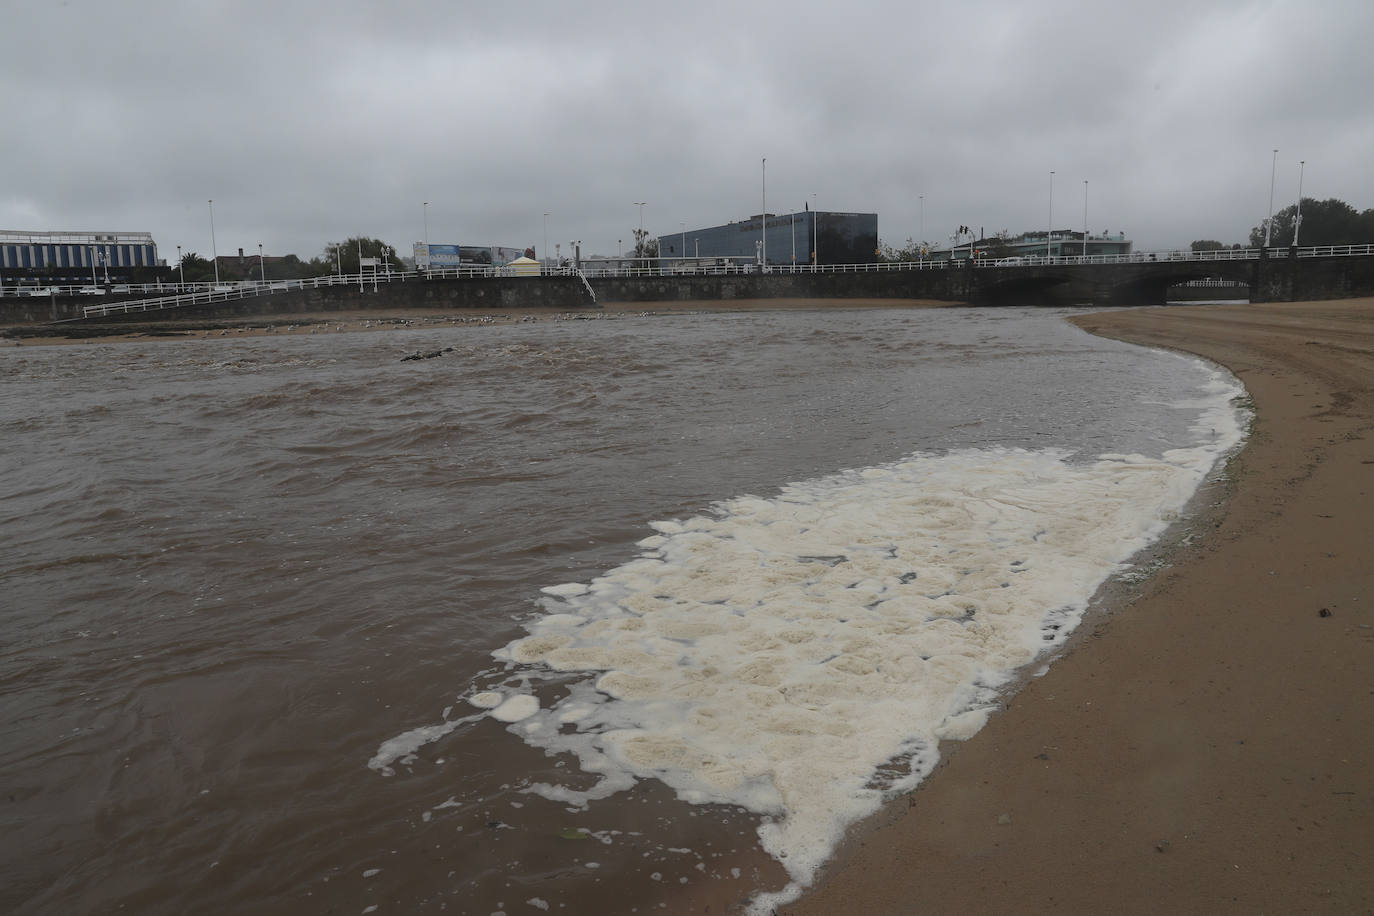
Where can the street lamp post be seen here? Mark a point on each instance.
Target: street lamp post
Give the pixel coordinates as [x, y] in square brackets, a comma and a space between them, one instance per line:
[684, 238]
[92, 249]
[426, 209]
[1085, 218]
[1297, 217]
[639, 240]
[1269, 222]
[763, 256]
[793, 222]
[181, 271]
[1049, 233]
[545, 258]
[262, 266]
[213, 249]
[698, 243]
[815, 234]
[922, 200]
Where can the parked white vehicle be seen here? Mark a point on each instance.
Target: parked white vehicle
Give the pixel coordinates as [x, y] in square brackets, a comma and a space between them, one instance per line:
[90, 291]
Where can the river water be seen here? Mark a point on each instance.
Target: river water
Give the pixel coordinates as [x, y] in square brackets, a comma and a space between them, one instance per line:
[599, 616]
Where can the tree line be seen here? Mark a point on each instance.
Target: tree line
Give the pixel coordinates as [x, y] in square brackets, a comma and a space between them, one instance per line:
[1323, 222]
[337, 257]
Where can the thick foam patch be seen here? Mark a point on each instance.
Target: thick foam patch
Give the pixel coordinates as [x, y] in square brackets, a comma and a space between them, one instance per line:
[781, 653]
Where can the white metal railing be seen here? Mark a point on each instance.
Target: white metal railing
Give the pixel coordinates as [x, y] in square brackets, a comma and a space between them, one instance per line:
[200, 293]
[586, 283]
[1221, 254]
[1214, 283]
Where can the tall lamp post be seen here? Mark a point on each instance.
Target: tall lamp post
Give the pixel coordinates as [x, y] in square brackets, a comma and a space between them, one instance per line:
[1269, 223]
[213, 249]
[262, 266]
[922, 200]
[639, 240]
[764, 218]
[1049, 233]
[545, 258]
[1297, 218]
[92, 250]
[426, 209]
[181, 271]
[684, 238]
[1085, 218]
[815, 234]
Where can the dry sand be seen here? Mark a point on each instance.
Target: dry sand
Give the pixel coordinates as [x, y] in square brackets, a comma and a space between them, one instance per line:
[1207, 747]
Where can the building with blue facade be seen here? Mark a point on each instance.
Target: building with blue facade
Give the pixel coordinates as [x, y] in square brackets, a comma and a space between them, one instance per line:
[803, 237]
[62, 256]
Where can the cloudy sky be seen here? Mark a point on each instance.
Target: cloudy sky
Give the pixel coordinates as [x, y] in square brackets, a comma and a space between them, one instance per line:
[312, 122]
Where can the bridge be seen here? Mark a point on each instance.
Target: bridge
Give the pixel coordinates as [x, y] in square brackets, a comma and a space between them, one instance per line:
[1269, 275]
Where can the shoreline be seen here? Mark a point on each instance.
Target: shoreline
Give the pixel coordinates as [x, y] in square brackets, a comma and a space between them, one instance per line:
[1206, 742]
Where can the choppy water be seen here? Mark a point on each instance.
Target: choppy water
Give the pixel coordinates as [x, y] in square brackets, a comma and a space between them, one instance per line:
[293, 626]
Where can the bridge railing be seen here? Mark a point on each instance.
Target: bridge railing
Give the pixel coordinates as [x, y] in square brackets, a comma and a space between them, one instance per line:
[751, 269]
[1220, 254]
[1337, 251]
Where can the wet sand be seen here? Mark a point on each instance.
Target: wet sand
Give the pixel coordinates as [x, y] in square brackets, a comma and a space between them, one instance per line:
[1207, 745]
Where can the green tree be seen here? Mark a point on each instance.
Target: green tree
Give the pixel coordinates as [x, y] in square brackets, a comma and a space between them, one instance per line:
[195, 268]
[345, 253]
[645, 247]
[1207, 245]
[1324, 222]
[910, 251]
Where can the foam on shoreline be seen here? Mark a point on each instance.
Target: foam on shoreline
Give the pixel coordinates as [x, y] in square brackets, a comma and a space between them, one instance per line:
[802, 656]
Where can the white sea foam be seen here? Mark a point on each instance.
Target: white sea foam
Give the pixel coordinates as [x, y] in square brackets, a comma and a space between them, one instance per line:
[776, 654]
[802, 656]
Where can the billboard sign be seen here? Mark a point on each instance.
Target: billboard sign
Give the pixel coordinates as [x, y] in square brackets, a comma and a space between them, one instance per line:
[441, 256]
[435, 256]
[503, 256]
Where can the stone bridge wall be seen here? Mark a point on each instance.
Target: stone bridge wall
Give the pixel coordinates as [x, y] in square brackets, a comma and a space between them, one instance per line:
[1137, 283]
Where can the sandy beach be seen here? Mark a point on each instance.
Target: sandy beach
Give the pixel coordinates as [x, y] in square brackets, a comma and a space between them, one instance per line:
[1207, 746]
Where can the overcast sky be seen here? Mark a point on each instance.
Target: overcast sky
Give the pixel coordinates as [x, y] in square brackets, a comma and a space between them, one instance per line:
[312, 122]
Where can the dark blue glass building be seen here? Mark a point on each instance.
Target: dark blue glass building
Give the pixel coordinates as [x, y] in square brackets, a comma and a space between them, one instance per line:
[803, 237]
